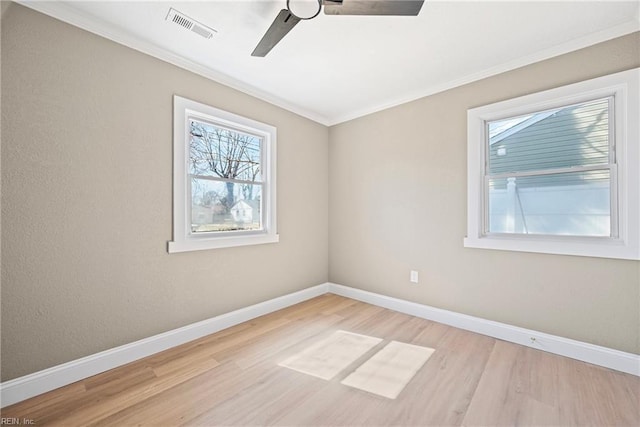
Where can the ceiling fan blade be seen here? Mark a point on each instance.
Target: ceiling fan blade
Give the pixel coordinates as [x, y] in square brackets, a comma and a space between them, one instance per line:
[373, 7]
[283, 23]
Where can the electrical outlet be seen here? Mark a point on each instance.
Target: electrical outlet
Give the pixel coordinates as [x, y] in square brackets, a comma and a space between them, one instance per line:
[413, 277]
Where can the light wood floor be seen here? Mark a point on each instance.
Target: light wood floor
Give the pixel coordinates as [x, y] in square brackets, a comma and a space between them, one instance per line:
[232, 378]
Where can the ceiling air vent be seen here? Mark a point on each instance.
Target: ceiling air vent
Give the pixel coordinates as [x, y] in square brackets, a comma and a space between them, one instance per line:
[190, 24]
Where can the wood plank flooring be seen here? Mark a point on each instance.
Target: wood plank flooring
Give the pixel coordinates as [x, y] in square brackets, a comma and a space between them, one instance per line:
[231, 378]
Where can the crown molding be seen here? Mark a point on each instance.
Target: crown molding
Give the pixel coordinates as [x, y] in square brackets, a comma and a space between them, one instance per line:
[561, 49]
[63, 12]
[69, 15]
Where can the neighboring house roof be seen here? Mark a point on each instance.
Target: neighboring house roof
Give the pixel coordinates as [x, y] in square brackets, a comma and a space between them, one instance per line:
[509, 128]
[576, 135]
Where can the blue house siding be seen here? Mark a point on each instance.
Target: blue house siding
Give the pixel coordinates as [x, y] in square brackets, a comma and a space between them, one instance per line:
[571, 136]
[568, 203]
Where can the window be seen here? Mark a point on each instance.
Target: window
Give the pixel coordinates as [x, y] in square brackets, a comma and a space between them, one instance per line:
[557, 171]
[224, 179]
[551, 172]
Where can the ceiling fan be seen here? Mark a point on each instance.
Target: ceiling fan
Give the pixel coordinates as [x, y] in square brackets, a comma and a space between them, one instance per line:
[302, 10]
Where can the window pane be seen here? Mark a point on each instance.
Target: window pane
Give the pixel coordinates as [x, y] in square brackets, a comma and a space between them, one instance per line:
[225, 206]
[576, 135]
[575, 204]
[223, 153]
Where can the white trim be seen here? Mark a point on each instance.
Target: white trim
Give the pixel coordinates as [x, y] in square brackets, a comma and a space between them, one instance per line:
[624, 86]
[590, 353]
[177, 246]
[22, 388]
[31, 385]
[561, 49]
[183, 240]
[71, 16]
[65, 13]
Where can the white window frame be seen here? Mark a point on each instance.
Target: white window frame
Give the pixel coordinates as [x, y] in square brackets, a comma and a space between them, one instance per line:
[183, 239]
[624, 87]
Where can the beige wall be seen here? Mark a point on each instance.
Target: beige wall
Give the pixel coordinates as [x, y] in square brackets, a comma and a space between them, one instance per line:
[86, 199]
[397, 198]
[86, 204]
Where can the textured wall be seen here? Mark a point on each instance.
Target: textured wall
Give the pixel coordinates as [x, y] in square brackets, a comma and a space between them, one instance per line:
[86, 199]
[86, 205]
[397, 198]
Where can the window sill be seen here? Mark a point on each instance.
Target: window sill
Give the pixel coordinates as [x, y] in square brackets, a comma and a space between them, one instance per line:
[589, 247]
[200, 244]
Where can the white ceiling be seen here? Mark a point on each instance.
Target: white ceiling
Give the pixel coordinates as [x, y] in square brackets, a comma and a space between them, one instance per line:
[335, 68]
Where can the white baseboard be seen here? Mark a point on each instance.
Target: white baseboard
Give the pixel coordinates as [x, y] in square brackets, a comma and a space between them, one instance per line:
[49, 379]
[22, 388]
[597, 355]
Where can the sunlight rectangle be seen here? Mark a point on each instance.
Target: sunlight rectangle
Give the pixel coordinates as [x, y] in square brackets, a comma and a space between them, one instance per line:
[328, 357]
[390, 370]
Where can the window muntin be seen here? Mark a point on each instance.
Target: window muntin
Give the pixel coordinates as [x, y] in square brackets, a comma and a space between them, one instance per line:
[224, 180]
[552, 172]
